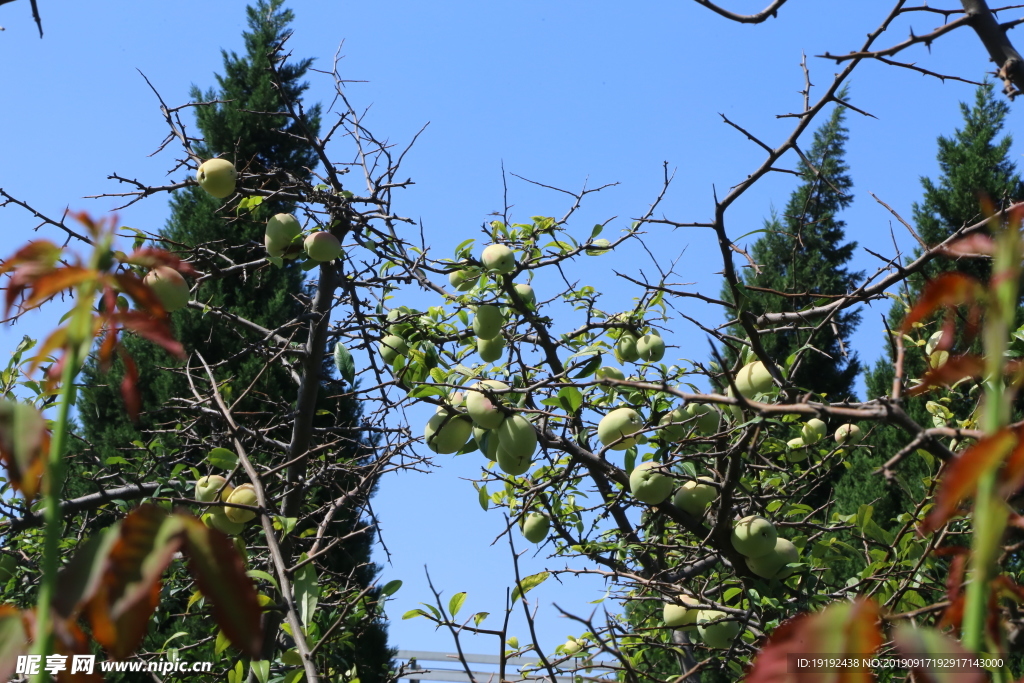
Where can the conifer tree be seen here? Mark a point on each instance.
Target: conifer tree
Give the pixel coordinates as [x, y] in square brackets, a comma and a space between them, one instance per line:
[801, 259]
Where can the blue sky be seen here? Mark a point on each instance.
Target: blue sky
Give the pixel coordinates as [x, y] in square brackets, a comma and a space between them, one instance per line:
[563, 93]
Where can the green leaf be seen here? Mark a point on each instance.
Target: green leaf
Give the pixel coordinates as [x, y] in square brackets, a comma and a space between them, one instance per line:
[257, 574]
[261, 669]
[589, 368]
[222, 458]
[455, 604]
[483, 497]
[479, 617]
[222, 643]
[307, 591]
[528, 584]
[570, 398]
[391, 587]
[416, 613]
[344, 363]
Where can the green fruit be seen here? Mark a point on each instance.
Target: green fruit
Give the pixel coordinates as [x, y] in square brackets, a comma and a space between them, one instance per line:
[754, 536]
[720, 634]
[217, 177]
[463, 280]
[571, 647]
[617, 424]
[403, 313]
[218, 520]
[625, 349]
[490, 350]
[813, 431]
[649, 484]
[796, 450]
[651, 348]
[487, 442]
[773, 564]
[707, 418]
[242, 495]
[753, 379]
[447, 433]
[848, 433]
[608, 372]
[391, 347]
[484, 410]
[513, 464]
[207, 488]
[517, 438]
[694, 497]
[680, 616]
[169, 286]
[487, 322]
[527, 294]
[671, 431]
[281, 230]
[322, 247]
[498, 258]
[535, 527]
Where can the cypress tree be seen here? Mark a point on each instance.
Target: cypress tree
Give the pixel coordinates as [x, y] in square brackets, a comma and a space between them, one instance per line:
[974, 161]
[216, 237]
[801, 260]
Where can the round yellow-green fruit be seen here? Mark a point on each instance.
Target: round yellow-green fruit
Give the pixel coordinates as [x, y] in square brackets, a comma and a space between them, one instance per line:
[217, 177]
[207, 488]
[463, 280]
[754, 536]
[773, 565]
[483, 409]
[650, 347]
[282, 228]
[169, 286]
[490, 350]
[244, 494]
[625, 348]
[535, 526]
[487, 441]
[796, 450]
[517, 439]
[498, 258]
[649, 484]
[752, 379]
[695, 496]
[617, 424]
[671, 425]
[813, 431]
[391, 347]
[218, 520]
[571, 647]
[608, 372]
[848, 434]
[527, 294]
[717, 635]
[447, 433]
[681, 617]
[707, 417]
[322, 247]
[487, 321]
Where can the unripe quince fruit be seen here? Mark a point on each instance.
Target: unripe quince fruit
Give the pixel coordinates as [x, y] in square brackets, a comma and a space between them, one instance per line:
[796, 450]
[680, 616]
[169, 286]
[617, 424]
[535, 526]
[391, 347]
[487, 441]
[207, 488]
[694, 496]
[848, 434]
[607, 371]
[487, 322]
[244, 494]
[517, 438]
[490, 350]
[720, 634]
[482, 409]
[218, 520]
[463, 280]
[649, 484]
[813, 431]
[281, 230]
[752, 379]
[527, 294]
[322, 246]
[674, 432]
[625, 348]
[498, 258]
[754, 536]
[446, 433]
[651, 347]
[773, 564]
[707, 420]
[217, 177]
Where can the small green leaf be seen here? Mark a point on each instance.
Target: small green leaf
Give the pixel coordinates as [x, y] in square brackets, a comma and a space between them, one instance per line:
[484, 498]
[307, 591]
[570, 398]
[257, 574]
[391, 587]
[261, 670]
[455, 604]
[479, 617]
[528, 584]
[416, 613]
[344, 363]
[222, 458]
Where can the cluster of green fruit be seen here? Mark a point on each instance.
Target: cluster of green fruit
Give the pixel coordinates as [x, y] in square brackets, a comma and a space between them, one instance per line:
[715, 627]
[230, 520]
[767, 553]
[631, 348]
[813, 431]
[282, 240]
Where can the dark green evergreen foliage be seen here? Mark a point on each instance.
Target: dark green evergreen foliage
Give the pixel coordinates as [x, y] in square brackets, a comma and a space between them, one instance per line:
[215, 238]
[974, 161]
[802, 255]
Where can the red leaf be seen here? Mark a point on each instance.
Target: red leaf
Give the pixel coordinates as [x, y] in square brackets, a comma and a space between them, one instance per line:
[950, 372]
[143, 295]
[218, 569]
[47, 286]
[148, 257]
[153, 329]
[962, 475]
[39, 251]
[948, 289]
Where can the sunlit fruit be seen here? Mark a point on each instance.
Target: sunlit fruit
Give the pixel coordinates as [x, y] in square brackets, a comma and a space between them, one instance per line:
[483, 409]
[527, 294]
[487, 442]
[715, 633]
[672, 427]
[754, 536]
[490, 350]
[217, 177]
[447, 433]
[625, 348]
[571, 647]
[463, 280]
[498, 258]
[169, 286]
[535, 527]
[695, 496]
[848, 434]
[322, 246]
[617, 424]
[752, 379]
[517, 438]
[487, 322]
[207, 488]
[513, 464]
[649, 484]
[219, 520]
[281, 230]
[796, 450]
[391, 347]
[773, 565]
[707, 417]
[608, 372]
[813, 431]
[244, 494]
[650, 347]
[403, 314]
[680, 616]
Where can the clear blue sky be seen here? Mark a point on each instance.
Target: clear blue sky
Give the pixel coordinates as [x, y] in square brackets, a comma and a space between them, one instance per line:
[563, 93]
